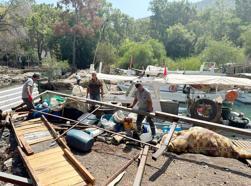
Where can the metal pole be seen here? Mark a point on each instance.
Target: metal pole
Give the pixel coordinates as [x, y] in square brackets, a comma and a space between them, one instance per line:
[164, 116]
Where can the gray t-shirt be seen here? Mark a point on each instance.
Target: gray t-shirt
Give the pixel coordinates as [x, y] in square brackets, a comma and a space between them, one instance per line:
[143, 97]
[30, 83]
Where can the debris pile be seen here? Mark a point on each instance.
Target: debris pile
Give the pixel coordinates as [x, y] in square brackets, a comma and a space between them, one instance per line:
[64, 124]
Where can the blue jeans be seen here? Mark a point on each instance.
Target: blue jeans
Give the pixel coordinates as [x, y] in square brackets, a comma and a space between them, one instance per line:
[95, 97]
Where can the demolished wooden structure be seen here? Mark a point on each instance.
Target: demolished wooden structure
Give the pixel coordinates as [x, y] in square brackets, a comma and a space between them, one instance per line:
[48, 165]
[164, 116]
[40, 131]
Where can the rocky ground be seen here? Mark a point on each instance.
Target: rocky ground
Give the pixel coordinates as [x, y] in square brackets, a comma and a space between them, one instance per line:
[105, 159]
[10, 162]
[11, 76]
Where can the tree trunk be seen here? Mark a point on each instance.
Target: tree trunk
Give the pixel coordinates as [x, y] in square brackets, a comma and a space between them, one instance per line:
[74, 53]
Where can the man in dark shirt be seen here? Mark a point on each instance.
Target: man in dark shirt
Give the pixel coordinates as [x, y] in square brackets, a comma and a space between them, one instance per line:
[95, 88]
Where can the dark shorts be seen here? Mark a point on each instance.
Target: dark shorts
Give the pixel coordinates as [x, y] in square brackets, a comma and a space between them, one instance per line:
[28, 103]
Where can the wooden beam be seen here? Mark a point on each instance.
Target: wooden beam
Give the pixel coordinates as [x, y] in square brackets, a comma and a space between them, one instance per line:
[121, 170]
[18, 180]
[26, 146]
[141, 168]
[15, 132]
[54, 133]
[205, 124]
[28, 166]
[84, 172]
[164, 146]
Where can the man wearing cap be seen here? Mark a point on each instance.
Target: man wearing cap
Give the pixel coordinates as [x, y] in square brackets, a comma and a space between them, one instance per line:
[27, 92]
[144, 100]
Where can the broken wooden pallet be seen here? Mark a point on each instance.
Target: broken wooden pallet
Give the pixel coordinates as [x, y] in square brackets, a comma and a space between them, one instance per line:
[246, 145]
[48, 165]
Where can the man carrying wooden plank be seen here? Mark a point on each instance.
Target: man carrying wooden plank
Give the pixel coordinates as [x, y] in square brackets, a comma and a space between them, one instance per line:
[144, 100]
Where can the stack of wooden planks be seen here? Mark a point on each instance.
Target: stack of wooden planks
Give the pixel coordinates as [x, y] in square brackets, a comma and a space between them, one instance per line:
[48, 165]
[244, 144]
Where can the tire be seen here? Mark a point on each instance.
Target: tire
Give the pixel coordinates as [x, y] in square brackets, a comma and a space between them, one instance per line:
[160, 75]
[215, 114]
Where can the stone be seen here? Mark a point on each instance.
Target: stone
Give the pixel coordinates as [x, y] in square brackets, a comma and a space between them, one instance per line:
[8, 163]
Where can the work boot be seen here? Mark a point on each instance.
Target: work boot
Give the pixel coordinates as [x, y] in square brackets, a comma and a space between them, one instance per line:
[156, 139]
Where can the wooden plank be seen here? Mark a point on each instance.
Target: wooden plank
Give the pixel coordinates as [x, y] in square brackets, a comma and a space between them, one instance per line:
[56, 150]
[30, 130]
[86, 174]
[28, 126]
[141, 168]
[56, 164]
[54, 133]
[46, 160]
[59, 178]
[33, 142]
[164, 146]
[26, 146]
[45, 165]
[74, 181]
[59, 171]
[30, 169]
[18, 180]
[245, 145]
[121, 170]
[46, 153]
[31, 121]
[201, 123]
[15, 132]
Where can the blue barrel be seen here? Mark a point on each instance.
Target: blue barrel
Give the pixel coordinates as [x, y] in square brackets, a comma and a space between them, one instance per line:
[79, 140]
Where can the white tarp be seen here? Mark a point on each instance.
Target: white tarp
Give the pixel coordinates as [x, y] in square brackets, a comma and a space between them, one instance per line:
[115, 77]
[181, 79]
[119, 78]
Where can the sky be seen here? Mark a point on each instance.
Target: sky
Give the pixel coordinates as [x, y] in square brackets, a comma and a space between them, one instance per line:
[134, 8]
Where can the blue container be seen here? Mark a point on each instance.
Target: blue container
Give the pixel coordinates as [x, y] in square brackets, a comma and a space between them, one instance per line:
[79, 140]
[165, 129]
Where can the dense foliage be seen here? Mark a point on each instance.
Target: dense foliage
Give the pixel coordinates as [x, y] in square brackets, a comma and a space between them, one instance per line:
[178, 34]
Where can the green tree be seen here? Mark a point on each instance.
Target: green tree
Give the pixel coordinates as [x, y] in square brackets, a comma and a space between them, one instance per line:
[246, 37]
[191, 63]
[168, 13]
[179, 42]
[222, 52]
[243, 10]
[107, 54]
[40, 26]
[52, 64]
[83, 20]
[141, 54]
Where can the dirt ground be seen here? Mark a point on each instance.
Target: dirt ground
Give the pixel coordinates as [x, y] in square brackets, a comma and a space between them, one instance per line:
[171, 169]
[105, 159]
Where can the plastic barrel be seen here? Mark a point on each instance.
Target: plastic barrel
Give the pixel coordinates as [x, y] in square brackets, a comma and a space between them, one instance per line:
[79, 140]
